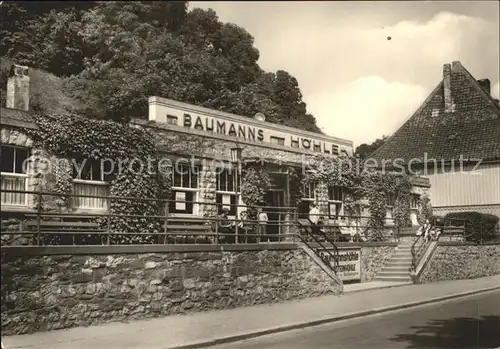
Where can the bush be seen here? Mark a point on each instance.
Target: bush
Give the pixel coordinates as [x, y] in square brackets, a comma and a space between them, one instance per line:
[478, 226]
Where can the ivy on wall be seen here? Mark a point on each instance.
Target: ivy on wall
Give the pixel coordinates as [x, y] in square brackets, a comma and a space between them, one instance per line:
[255, 183]
[296, 186]
[364, 188]
[75, 137]
[425, 209]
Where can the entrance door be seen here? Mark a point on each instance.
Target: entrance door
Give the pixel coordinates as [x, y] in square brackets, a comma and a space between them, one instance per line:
[274, 199]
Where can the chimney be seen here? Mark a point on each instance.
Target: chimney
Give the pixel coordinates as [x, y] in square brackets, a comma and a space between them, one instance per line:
[486, 85]
[18, 88]
[448, 103]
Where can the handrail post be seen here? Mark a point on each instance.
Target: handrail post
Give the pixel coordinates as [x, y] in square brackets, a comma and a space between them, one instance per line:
[108, 235]
[165, 225]
[38, 215]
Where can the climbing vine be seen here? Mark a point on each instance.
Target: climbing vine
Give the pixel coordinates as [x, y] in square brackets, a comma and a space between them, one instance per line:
[296, 186]
[364, 189]
[425, 209]
[127, 149]
[255, 183]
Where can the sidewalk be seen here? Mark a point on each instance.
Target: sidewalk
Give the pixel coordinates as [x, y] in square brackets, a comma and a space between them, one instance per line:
[207, 327]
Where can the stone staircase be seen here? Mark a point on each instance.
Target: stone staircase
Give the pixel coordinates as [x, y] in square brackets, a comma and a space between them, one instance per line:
[396, 269]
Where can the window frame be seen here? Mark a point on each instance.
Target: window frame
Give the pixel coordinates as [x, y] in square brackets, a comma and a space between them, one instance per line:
[101, 181]
[233, 194]
[15, 174]
[332, 201]
[194, 191]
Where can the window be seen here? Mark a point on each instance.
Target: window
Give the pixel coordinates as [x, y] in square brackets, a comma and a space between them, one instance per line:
[414, 199]
[335, 202]
[277, 140]
[435, 113]
[92, 170]
[390, 200]
[226, 194]
[184, 189]
[185, 176]
[309, 191]
[90, 179]
[226, 180]
[171, 119]
[13, 174]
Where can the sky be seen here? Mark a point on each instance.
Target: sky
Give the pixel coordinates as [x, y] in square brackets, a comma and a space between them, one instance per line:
[358, 84]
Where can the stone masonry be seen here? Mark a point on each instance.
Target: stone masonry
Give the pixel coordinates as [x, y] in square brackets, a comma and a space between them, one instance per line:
[455, 261]
[60, 291]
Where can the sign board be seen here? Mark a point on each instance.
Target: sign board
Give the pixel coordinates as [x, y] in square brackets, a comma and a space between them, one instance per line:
[200, 119]
[349, 263]
[226, 201]
[180, 198]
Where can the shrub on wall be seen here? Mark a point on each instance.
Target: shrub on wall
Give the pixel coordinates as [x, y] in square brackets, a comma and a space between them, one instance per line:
[478, 226]
[134, 173]
[255, 183]
[359, 184]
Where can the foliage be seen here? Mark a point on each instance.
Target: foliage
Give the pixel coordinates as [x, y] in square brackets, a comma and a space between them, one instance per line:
[296, 186]
[44, 35]
[401, 211]
[114, 55]
[425, 212]
[361, 184]
[255, 183]
[364, 150]
[479, 227]
[60, 134]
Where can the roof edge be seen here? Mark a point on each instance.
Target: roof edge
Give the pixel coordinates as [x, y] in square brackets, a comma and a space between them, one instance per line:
[419, 109]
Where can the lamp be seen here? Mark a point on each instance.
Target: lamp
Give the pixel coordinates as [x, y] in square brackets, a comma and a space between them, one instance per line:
[260, 117]
[236, 154]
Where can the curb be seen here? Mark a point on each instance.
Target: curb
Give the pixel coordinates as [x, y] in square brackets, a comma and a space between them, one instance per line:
[376, 288]
[284, 328]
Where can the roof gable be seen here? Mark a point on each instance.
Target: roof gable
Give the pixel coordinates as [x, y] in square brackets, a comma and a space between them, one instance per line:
[470, 130]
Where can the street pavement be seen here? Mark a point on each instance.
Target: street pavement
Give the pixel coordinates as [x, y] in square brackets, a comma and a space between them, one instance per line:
[469, 322]
[200, 330]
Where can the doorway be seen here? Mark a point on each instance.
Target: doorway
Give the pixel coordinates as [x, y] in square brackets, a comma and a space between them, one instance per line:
[275, 200]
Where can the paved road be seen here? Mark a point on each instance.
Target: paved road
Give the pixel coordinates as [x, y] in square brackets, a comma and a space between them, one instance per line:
[469, 322]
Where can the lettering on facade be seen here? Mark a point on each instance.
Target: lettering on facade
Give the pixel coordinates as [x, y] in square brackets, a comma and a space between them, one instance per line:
[251, 133]
[349, 263]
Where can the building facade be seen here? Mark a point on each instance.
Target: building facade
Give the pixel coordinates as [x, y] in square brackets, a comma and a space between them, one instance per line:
[453, 139]
[199, 144]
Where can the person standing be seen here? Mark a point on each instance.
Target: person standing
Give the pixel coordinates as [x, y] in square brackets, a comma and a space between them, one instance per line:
[262, 220]
[225, 226]
[314, 217]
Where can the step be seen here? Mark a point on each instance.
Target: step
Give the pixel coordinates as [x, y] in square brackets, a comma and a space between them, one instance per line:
[398, 264]
[401, 254]
[393, 278]
[397, 269]
[394, 273]
[401, 259]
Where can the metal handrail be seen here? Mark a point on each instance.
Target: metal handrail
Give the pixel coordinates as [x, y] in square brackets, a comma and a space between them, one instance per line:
[417, 255]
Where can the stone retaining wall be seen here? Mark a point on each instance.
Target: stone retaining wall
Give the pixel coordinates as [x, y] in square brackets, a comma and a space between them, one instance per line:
[373, 259]
[46, 288]
[456, 261]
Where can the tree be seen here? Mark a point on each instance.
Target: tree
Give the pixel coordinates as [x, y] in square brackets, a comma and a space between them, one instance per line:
[114, 55]
[44, 35]
[364, 150]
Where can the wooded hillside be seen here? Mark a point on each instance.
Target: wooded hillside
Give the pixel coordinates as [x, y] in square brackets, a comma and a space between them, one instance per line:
[111, 56]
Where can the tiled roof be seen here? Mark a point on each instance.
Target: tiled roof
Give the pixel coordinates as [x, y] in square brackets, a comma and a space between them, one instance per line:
[471, 129]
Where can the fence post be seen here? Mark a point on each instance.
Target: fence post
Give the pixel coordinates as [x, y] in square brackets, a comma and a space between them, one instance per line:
[165, 226]
[108, 237]
[38, 215]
